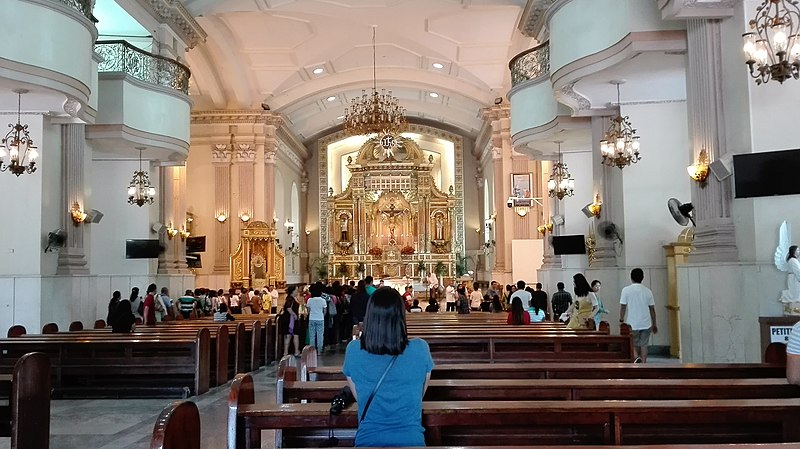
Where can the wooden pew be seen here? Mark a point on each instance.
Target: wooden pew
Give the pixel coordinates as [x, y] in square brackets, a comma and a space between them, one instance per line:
[563, 389]
[26, 418]
[503, 423]
[578, 371]
[119, 364]
[177, 427]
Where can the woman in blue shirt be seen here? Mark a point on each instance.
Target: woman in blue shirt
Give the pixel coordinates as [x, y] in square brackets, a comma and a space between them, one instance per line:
[394, 417]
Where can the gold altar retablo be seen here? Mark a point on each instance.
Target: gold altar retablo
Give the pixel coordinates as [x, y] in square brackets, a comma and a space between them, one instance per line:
[258, 260]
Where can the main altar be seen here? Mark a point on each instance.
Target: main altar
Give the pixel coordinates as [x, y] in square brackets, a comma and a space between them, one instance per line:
[259, 260]
[391, 220]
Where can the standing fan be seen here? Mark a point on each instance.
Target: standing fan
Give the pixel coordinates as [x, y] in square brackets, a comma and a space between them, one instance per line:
[682, 213]
[609, 231]
[55, 239]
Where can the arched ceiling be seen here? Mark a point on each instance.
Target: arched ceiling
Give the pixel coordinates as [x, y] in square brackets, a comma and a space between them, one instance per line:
[266, 52]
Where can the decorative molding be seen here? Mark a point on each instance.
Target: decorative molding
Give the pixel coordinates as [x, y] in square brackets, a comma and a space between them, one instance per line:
[220, 154]
[174, 14]
[72, 107]
[532, 22]
[270, 156]
[290, 154]
[245, 153]
[531, 64]
[696, 9]
[568, 96]
[233, 117]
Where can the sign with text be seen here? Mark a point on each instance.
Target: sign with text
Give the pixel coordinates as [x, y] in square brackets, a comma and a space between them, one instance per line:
[779, 334]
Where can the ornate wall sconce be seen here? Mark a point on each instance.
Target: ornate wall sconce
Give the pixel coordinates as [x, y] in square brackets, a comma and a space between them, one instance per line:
[222, 218]
[593, 209]
[171, 232]
[699, 170]
[545, 228]
[308, 232]
[245, 217]
[77, 214]
[184, 233]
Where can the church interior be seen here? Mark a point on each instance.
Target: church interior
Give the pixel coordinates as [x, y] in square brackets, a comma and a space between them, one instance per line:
[270, 143]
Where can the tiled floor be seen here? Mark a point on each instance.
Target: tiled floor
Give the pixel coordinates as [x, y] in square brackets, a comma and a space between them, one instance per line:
[128, 424]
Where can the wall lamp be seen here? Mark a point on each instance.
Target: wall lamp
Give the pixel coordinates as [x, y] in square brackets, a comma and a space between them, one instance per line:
[308, 232]
[184, 233]
[244, 217]
[545, 228]
[593, 209]
[699, 170]
[171, 232]
[222, 218]
[77, 214]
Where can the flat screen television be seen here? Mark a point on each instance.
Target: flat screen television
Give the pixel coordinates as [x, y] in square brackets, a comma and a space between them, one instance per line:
[569, 244]
[142, 248]
[766, 174]
[194, 261]
[196, 244]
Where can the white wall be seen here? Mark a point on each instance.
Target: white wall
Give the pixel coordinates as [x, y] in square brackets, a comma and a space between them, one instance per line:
[108, 184]
[579, 164]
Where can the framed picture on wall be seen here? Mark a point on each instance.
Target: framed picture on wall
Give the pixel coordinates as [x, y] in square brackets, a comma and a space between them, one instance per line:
[522, 185]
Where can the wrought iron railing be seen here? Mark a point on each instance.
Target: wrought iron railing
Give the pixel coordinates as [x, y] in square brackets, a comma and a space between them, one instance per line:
[120, 56]
[530, 64]
[83, 6]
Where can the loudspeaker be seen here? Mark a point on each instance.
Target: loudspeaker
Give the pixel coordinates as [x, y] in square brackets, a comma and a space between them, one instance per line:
[159, 228]
[94, 216]
[558, 220]
[587, 212]
[720, 170]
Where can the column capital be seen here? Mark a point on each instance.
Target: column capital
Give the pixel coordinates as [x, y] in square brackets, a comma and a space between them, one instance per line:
[220, 154]
[245, 153]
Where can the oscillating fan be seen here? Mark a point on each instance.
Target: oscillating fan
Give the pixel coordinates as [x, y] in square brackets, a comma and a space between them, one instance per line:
[609, 231]
[681, 212]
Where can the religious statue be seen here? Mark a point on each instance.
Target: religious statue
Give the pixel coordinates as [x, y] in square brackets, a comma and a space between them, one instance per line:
[343, 223]
[786, 259]
[439, 229]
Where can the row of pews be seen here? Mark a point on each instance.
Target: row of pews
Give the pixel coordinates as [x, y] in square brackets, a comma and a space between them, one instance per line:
[499, 385]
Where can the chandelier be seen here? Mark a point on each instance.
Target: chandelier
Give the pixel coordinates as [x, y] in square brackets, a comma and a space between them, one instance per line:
[560, 183]
[620, 146]
[374, 113]
[17, 145]
[140, 192]
[773, 48]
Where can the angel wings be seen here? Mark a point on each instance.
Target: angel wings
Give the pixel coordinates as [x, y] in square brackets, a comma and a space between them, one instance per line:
[784, 241]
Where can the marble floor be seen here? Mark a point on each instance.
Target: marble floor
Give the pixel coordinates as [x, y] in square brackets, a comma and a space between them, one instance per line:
[128, 424]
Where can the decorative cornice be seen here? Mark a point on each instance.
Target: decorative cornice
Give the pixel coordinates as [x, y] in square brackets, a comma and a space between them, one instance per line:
[497, 112]
[577, 102]
[173, 13]
[236, 117]
[532, 21]
[696, 9]
[291, 155]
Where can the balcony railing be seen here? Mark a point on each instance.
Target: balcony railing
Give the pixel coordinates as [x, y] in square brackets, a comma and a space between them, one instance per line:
[530, 64]
[120, 56]
[83, 6]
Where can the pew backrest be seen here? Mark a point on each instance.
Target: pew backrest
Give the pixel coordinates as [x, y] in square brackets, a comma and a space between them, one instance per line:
[75, 326]
[30, 402]
[16, 330]
[242, 393]
[50, 328]
[177, 427]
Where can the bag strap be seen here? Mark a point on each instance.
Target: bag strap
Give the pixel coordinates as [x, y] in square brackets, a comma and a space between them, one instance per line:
[375, 390]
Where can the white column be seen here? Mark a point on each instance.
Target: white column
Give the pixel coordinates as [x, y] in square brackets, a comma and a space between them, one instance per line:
[714, 236]
[221, 160]
[270, 158]
[605, 254]
[72, 259]
[172, 211]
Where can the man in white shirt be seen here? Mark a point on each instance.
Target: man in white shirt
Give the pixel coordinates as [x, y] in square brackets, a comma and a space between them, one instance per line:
[450, 297]
[273, 294]
[637, 300]
[475, 298]
[522, 294]
[793, 356]
[316, 317]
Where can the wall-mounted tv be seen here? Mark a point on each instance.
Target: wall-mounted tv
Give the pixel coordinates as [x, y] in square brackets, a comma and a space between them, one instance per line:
[196, 244]
[142, 248]
[569, 244]
[769, 173]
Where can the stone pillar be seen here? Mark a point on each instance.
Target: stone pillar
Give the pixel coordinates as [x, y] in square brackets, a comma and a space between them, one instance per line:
[271, 147]
[550, 261]
[72, 258]
[605, 254]
[172, 212]
[500, 118]
[714, 236]
[221, 161]
[244, 159]
[303, 224]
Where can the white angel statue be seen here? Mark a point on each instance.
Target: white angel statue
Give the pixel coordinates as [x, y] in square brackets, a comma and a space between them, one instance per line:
[786, 260]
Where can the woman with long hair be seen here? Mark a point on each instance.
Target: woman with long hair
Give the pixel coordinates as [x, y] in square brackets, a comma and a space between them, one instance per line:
[518, 315]
[121, 319]
[388, 375]
[288, 321]
[585, 305]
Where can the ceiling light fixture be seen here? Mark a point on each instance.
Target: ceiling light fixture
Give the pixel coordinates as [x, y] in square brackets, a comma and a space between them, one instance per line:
[375, 113]
[332, 98]
[561, 183]
[318, 71]
[438, 65]
[620, 147]
[434, 95]
[140, 192]
[17, 145]
[773, 47]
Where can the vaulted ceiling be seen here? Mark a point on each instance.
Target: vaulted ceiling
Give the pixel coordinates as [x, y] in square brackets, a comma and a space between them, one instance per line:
[444, 59]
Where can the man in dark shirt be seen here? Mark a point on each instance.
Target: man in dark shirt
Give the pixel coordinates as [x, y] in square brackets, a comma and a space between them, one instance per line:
[561, 301]
[539, 300]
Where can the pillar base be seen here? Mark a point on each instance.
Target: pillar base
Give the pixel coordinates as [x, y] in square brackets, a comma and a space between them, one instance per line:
[550, 262]
[605, 257]
[72, 261]
[715, 241]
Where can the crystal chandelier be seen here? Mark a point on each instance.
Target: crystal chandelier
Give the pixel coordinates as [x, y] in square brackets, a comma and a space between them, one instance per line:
[773, 48]
[374, 113]
[17, 145]
[620, 146]
[560, 183]
[140, 192]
